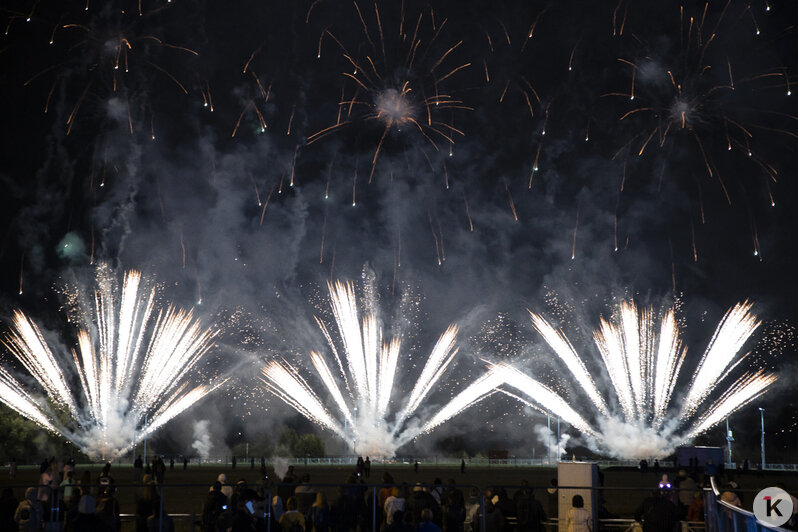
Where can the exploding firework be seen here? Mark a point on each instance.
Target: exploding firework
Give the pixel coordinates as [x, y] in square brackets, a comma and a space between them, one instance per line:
[102, 59]
[710, 94]
[131, 368]
[400, 74]
[363, 394]
[642, 365]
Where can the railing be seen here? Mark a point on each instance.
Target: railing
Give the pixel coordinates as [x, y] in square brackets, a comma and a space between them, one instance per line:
[246, 462]
[720, 516]
[724, 517]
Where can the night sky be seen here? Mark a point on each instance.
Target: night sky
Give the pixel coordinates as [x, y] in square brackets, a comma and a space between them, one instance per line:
[553, 156]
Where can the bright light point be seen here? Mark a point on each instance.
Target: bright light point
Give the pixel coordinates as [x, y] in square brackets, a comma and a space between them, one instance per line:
[749, 153]
[326, 196]
[205, 104]
[27, 20]
[586, 139]
[51, 42]
[569, 69]
[20, 292]
[616, 248]
[353, 204]
[789, 93]
[543, 132]
[573, 257]
[632, 97]
[772, 203]
[756, 253]
[535, 168]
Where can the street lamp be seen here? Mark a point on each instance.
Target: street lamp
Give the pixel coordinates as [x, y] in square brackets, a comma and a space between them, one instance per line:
[729, 440]
[558, 439]
[762, 440]
[354, 432]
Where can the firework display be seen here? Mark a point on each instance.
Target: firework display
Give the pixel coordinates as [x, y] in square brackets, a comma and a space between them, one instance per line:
[488, 154]
[128, 376]
[643, 365]
[368, 421]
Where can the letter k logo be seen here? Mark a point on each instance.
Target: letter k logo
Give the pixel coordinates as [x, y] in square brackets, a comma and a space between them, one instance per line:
[772, 506]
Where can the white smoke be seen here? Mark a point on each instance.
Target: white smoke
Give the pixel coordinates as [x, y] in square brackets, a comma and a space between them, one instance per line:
[280, 466]
[633, 441]
[202, 439]
[549, 440]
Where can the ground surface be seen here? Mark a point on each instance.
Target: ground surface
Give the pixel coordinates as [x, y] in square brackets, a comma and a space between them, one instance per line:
[185, 491]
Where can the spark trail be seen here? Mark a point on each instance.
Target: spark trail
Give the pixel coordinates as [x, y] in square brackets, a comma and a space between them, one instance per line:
[643, 366]
[128, 376]
[360, 409]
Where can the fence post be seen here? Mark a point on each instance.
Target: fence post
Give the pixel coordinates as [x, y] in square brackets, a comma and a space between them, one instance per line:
[374, 509]
[160, 510]
[482, 504]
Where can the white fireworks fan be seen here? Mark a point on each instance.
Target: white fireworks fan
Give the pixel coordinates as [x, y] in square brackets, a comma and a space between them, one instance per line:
[643, 367]
[361, 395]
[133, 374]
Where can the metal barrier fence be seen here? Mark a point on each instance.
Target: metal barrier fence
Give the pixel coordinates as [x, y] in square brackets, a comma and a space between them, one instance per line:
[370, 508]
[724, 517]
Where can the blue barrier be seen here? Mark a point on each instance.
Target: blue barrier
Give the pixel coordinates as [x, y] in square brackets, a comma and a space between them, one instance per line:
[724, 517]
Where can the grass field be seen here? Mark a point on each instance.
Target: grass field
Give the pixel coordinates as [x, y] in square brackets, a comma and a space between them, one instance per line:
[184, 491]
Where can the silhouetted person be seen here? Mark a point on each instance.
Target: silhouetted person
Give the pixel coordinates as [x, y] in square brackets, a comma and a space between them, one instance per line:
[215, 504]
[426, 524]
[529, 511]
[292, 520]
[8, 507]
[138, 468]
[86, 521]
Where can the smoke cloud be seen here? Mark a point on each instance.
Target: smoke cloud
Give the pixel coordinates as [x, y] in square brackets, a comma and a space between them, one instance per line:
[202, 444]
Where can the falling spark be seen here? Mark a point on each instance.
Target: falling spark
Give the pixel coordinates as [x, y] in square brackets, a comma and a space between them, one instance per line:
[21, 272]
[510, 200]
[576, 228]
[468, 214]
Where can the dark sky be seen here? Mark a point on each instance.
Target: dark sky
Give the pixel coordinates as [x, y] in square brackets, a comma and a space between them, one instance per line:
[574, 89]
